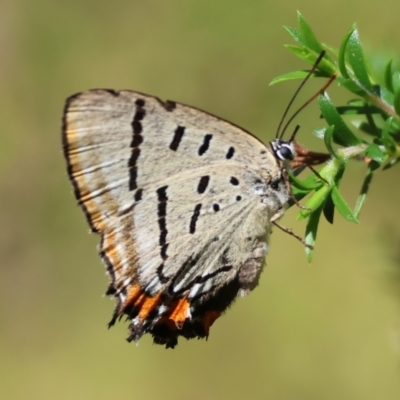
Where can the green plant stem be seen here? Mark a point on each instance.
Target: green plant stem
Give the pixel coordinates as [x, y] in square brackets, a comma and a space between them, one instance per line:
[381, 104]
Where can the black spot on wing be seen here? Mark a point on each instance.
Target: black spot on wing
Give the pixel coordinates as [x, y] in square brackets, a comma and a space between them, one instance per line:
[138, 194]
[216, 207]
[137, 139]
[230, 153]
[234, 181]
[140, 103]
[206, 144]
[203, 183]
[195, 216]
[178, 134]
[238, 198]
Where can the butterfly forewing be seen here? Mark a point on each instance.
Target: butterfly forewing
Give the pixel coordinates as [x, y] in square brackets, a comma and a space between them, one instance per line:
[183, 201]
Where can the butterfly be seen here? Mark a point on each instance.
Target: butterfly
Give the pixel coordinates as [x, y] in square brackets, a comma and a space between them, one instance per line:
[183, 201]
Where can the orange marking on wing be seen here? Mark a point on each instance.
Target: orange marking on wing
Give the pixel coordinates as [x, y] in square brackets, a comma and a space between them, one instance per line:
[141, 300]
[133, 293]
[148, 304]
[180, 311]
[209, 318]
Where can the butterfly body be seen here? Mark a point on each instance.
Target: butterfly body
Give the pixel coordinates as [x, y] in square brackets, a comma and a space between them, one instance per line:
[183, 201]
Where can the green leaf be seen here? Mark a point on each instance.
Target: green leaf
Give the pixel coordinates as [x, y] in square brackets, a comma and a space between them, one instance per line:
[349, 85]
[356, 59]
[374, 152]
[342, 135]
[289, 76]
[309, 184]
[387, 139]
[295, 34]
[329, 209]
[328, 137]
[311, 231]
[396, 81]
[339, 172]
[396, 102]
[296, 75]
[363, 193]
[310, 39]
[358, 110]
[341, 205]
[342, 55]
[388, 76]
[325, 67]
[314, 202]
[387, 95]
[365, 127]
[333, 50]
[391, 163]
[319, 132]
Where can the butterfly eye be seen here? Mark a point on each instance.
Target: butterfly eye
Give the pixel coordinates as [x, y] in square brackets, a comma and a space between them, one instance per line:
[285, 152]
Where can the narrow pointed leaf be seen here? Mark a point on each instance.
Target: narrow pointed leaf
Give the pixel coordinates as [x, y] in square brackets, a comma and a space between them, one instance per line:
[306, 184]
[341, 205]
[396, 102]
[374, 152]
[289, 76]
[396, 81]
[356, 59]
[329, 209]
[314, 202]
[391, 163]
[296, 75]
[387, 138]
[342, 134]
[349, 85]
[388, 76]
[295, 34]
[328, 138]
[326, 68]
[311, 40]
[387, 95]
[363, 194]
[342, 55]
[311, 231]
[357, 110]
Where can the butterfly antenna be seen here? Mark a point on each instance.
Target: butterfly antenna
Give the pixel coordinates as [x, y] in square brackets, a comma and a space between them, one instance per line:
[313, 68]
[320, 91]
[296, 129]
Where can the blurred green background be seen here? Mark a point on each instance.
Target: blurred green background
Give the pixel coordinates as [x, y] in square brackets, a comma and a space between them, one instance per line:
[326, 330]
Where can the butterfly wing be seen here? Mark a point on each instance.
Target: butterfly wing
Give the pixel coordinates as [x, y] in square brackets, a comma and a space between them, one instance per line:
[182, 201]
